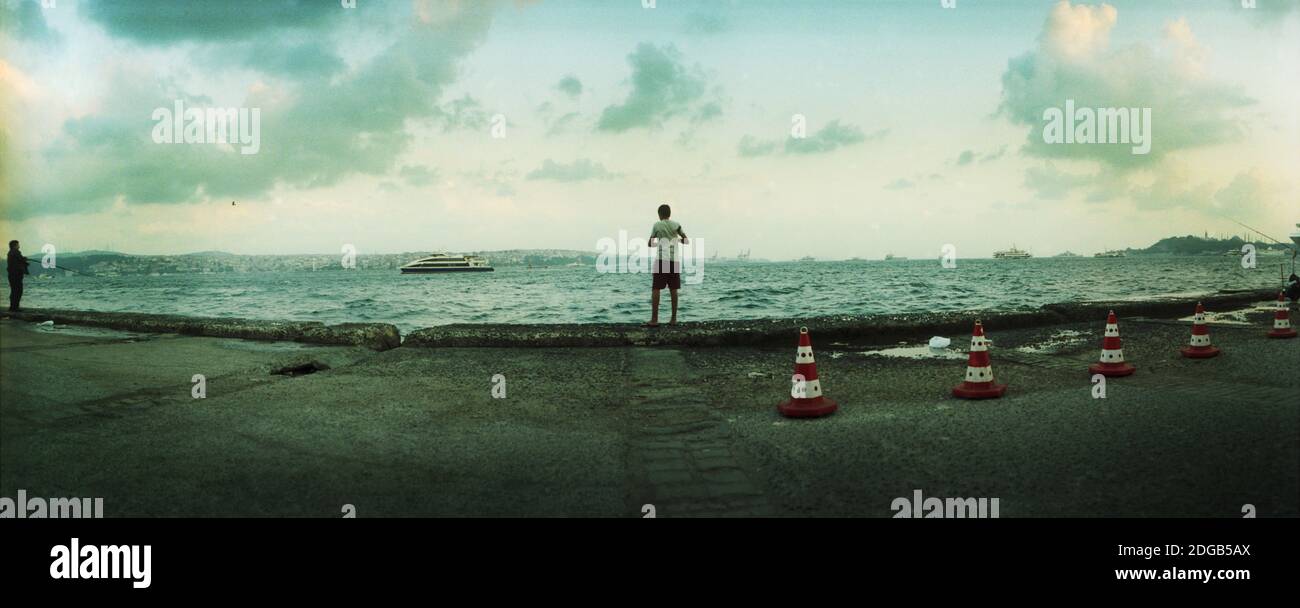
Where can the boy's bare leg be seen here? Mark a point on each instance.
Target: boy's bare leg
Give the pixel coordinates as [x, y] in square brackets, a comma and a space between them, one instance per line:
[654, 307]
[673, 293]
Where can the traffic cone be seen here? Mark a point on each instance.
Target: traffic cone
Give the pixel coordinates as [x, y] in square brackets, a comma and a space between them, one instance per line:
[1112, 352]
[806, 399]
[979, 374]
[1282, 320]
[1200, 347]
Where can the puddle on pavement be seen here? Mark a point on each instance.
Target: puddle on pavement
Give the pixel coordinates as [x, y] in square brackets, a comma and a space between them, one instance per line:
[1232, 317]
[1061, 339]
[922, 351]
[85, 331]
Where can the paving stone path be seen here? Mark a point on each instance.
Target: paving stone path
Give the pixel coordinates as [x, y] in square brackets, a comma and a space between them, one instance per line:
[680, 457]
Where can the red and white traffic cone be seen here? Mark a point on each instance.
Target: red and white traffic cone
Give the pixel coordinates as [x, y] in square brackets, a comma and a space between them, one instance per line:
[1112, 352]
[979, 373]
[1282, 320]
[1200, 347]
[806, 399]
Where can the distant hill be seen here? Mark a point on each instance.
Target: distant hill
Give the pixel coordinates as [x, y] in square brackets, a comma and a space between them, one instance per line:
[91, 252]
[214, 254]
[1197, 245]
[110, 263]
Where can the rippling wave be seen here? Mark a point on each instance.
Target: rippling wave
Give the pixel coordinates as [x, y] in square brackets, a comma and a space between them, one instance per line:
[580, 295]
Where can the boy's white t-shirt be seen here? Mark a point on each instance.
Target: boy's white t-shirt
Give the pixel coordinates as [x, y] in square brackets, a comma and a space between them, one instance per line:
[666, 232]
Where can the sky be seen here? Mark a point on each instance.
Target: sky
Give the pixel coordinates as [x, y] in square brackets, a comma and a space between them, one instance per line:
[828, 128]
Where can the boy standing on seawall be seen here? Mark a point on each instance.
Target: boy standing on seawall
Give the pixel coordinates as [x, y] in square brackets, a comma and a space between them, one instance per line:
[667, 268]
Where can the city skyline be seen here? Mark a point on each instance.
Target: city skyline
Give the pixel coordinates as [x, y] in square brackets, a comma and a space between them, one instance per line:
[820, 129]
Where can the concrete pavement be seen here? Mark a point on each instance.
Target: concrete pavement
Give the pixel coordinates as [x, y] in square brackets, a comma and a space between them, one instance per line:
[604, 431]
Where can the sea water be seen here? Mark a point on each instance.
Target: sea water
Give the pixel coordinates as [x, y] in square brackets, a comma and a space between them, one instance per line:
[581, 294]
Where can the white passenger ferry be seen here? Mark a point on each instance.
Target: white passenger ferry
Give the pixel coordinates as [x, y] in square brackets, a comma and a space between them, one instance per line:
[1012, 254]
[445, 262]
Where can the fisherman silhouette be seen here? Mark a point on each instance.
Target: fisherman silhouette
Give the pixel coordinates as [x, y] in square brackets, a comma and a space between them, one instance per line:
[17, 268]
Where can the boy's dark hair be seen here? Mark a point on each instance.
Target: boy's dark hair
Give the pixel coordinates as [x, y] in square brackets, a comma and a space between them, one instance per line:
[665, 211]
[13, 244]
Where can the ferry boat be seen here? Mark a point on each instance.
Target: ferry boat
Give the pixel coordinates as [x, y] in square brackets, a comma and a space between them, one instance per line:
[807, 258]
[889, 257]
[1067, 254]
[1295, 236]
[445, 262]
[1113, 253]
[1012, 254]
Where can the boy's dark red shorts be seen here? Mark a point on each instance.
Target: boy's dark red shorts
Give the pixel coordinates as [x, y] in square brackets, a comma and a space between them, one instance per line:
[671, 280]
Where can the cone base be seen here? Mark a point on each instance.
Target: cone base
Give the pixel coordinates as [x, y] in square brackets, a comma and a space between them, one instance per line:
[1200, 352]
[1285, 333]
[979, 390]
[808, 408]
[1112, 370]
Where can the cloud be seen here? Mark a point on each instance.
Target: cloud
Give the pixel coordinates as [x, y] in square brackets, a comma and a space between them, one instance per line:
[560, 124]
[1266, 13]
[570, 85]
[1050, 183]
[497, 182]
[417, 175]
[163, 23]
[707, 112]
[901, 183]
[830, 137]
[307, 59]
[1074, 61]
[833, 135]
[1076, 32]
[705, 23]
[751, 146]
[24, 20]
[464, 113]
[662, 88]
[1172, 188]
[1166, 186]
[992, 156]
[578, 171]
[1250, 194]
[556, 121]
[970, 156]
[312, 135]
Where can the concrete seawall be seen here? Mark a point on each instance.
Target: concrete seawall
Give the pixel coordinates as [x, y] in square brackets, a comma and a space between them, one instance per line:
[376, 336]
[839, 328]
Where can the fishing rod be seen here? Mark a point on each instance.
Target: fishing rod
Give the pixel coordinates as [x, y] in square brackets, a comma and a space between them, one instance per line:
[31, 261]
[1260, 233]
[1294, 250]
